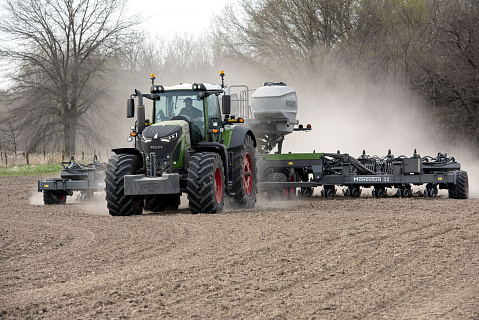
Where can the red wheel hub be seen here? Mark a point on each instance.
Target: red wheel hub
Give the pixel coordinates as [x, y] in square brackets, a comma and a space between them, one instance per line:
[248, 174]
[218, 185]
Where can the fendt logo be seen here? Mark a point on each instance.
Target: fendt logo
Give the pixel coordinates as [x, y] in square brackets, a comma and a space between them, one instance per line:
[290, 104]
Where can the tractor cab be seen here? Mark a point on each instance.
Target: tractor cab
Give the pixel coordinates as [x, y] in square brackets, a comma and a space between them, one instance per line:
[199, 107]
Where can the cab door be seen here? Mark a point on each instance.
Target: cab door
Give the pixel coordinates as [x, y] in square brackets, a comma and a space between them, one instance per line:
[213, 121]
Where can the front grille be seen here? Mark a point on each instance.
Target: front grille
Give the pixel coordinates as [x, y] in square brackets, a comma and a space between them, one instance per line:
[161, 140]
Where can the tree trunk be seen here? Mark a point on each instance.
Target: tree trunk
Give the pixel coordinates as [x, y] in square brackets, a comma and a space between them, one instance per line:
[69, 135]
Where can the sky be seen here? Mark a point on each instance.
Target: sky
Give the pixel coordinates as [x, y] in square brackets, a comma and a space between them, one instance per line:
[167, 18]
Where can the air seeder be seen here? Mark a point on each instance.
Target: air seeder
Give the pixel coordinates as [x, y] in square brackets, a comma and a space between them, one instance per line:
[271, 114]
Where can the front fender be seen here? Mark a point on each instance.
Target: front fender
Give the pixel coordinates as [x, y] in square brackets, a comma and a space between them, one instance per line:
[132, 151]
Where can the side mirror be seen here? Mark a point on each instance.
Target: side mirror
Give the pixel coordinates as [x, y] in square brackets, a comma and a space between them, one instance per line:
[226, 103]
[130, 108]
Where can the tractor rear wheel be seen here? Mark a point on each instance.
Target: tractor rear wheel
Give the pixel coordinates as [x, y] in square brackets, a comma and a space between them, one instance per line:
[244, 174]
[460, 190]
[206, 183]
[54, 197]
[118, 203]
[166, 202]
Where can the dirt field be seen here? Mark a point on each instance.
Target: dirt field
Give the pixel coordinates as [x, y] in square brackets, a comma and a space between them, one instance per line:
[314, 259]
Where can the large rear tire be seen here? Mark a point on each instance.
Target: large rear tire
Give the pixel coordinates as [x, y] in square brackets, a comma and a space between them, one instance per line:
[244, 174]
[206, 187]
[118, 203]
[460, 190]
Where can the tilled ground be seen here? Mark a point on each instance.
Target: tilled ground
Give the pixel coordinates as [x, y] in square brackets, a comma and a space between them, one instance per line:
[313, 258]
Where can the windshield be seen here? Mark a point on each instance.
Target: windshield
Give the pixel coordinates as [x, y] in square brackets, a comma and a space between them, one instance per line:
[179, 103]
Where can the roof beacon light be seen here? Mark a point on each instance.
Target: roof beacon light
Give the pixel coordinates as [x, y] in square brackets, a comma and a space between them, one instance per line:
[222, 75]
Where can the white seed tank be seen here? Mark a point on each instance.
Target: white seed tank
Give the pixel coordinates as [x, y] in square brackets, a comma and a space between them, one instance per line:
[275, 100]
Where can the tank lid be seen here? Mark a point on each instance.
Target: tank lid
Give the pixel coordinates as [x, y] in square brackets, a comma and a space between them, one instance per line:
[270, 83]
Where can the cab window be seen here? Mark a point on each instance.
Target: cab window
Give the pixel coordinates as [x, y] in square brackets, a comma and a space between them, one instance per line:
[213, 107]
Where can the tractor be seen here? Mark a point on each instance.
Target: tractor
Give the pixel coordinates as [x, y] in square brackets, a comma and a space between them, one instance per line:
[191, 145]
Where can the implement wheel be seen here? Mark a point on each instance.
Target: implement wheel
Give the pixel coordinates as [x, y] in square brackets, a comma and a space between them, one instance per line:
[118, 203]
[244, 174]
[276, 193]
[460, 190]
[206, 181]
[54, 197]
[306, 192]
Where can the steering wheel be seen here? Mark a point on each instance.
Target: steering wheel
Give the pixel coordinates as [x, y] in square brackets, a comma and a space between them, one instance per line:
[181, 117]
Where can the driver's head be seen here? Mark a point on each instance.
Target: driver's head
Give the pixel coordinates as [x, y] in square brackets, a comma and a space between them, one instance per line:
[188, 102]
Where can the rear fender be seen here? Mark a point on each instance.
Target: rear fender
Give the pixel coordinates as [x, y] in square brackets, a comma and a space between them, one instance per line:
[238, 135]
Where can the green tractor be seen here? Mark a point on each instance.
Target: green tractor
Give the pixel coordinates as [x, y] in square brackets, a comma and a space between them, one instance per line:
[191, 146]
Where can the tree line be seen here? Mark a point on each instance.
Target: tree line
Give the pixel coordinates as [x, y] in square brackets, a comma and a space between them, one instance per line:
[74, 62]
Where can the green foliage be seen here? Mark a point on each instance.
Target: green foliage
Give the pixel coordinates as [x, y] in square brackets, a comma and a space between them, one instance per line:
[32, 170]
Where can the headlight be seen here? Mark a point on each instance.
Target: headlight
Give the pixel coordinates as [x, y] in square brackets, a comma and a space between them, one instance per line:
[170, 137]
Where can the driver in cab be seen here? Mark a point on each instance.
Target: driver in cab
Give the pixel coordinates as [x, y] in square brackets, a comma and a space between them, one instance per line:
[190, 111]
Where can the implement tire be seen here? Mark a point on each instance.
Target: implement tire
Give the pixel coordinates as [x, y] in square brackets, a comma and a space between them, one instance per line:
[460, 190]
[277, 193]
[118, 203]
[206, 183]
[159, 203]
[244, 175]
[54, 197]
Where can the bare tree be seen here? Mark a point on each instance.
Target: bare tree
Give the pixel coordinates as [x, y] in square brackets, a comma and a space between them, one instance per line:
[182, 58]
[58, 50]
[9, 135]
[450, 68]
[291, 37]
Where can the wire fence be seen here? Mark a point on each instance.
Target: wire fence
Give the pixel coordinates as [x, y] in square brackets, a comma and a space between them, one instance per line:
[19, 158]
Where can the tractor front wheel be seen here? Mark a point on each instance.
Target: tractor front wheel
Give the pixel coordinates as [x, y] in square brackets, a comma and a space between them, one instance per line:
[118, 203]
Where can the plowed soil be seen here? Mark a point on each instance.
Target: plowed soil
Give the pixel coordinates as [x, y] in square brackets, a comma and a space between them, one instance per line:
[313, 258]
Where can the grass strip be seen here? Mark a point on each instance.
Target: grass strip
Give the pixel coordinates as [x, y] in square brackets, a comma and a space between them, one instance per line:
[32, 170]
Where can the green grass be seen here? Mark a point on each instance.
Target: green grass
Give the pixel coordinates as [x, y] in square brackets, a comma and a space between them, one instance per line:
[33, 170]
